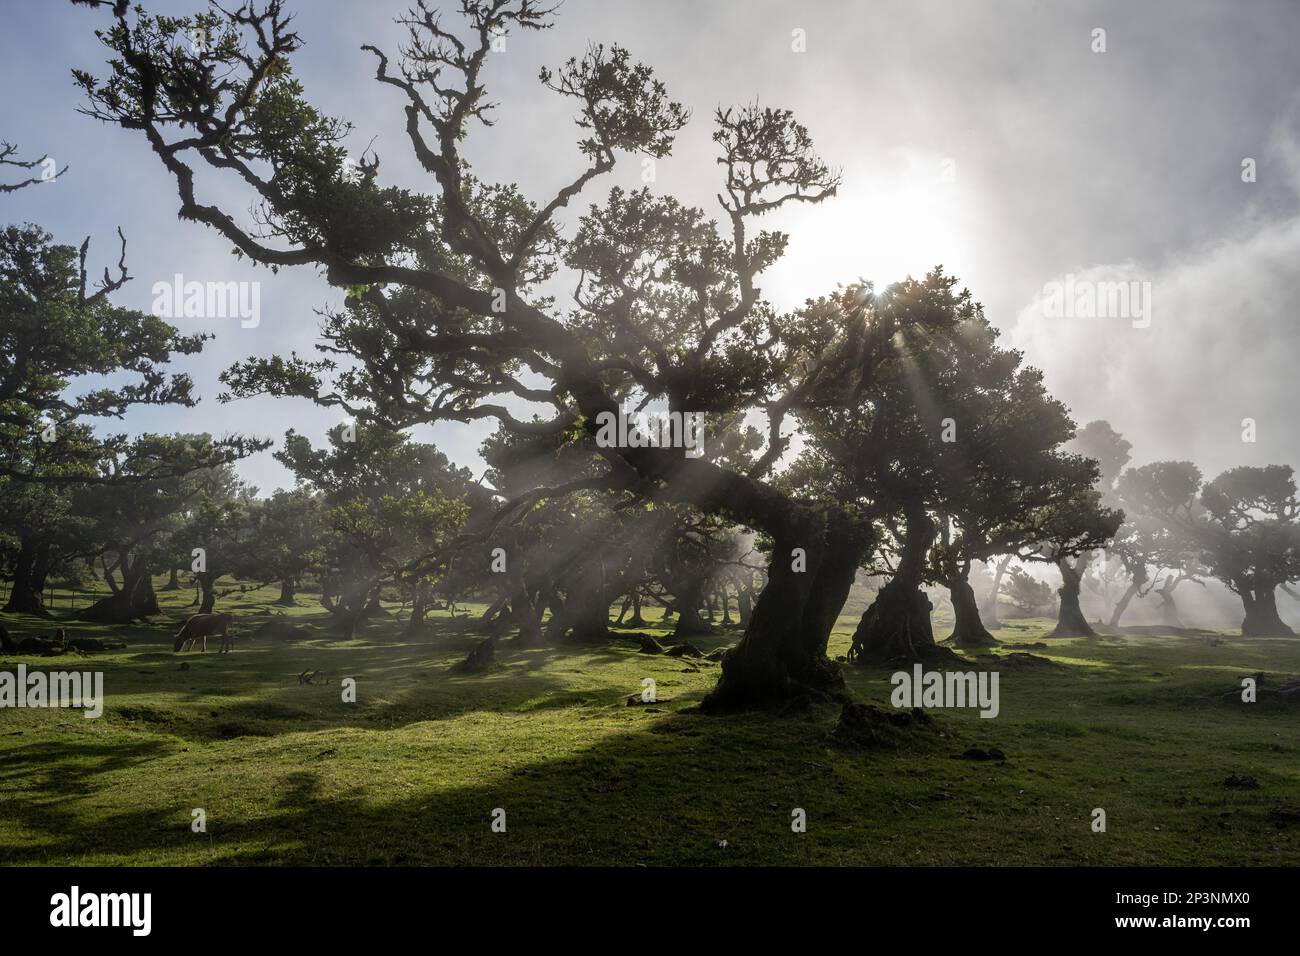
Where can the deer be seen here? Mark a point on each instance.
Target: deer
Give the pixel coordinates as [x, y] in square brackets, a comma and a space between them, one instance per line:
[200, 626]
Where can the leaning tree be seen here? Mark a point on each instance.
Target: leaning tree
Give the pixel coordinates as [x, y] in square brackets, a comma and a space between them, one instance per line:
[445, 318]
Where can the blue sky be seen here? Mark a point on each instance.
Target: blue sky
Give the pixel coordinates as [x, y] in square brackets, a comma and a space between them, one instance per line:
[1063, 161]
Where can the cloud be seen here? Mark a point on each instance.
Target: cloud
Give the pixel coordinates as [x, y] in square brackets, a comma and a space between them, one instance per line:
[1221, 347]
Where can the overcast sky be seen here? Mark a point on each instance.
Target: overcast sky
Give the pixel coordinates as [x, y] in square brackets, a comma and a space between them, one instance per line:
[988, 136]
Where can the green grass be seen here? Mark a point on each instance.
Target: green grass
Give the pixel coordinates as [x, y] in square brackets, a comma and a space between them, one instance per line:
[410, 774]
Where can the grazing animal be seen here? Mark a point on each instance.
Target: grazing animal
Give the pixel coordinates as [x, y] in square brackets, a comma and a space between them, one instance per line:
[200, 626]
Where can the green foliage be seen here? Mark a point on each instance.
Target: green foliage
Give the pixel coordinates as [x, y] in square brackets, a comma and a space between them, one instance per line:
[385, 500]
[948, 423]
[623, 105]
[1027, 592]
[1251, 541]
[54, 332]
[1099, 441]
[1162, 514]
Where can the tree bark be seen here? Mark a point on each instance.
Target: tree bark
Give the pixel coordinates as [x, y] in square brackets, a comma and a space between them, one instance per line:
[523, 614]
[687, 587]
[590, 623]
[25, 589]
[288, 591]
[1070, 621]
[637, 620]
[134, 598]
[173, 581]
[586, 607]
[348, 622]
[559, 621]
[744, 603]
[146, 597]
[1262, 619]
[346, 602]
[896, 626]
[968, 630]
[1130, 592]
[419, 607]
[688, 594]
[782, 653]
[207, 582]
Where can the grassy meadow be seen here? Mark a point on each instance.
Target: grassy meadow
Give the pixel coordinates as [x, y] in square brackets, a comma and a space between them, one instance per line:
[410, 773]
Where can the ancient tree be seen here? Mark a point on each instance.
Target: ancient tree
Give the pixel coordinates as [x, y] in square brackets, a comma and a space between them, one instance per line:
[1250, 540]
[443, 317]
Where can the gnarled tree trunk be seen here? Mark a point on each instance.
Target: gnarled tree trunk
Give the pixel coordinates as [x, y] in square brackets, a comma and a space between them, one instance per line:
[133, 598]
[744, 603]
[586, 607]
[636, 620]
[783, 651]
[968, 630]
[29, 578]
[208, 583]
[1070, 621]
[524, 615]
[419, 607]
[1262, 619]
[147, 597]
[346, 602]
[1129, 593]
[896, 626]
[688, 595]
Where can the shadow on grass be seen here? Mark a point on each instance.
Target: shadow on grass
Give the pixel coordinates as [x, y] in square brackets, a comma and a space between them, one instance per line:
[271, 688]
[618, 801]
